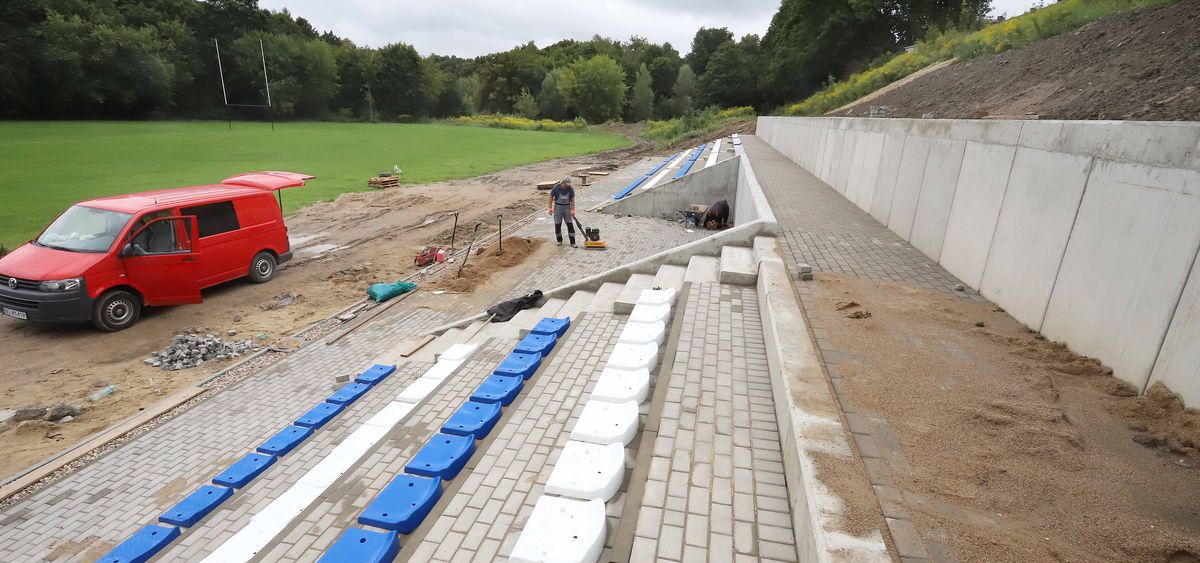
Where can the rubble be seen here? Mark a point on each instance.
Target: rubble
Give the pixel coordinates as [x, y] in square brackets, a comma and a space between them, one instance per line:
[61, 411]
[190, 350]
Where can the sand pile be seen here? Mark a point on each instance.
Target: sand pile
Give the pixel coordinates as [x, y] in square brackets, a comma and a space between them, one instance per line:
[484, 263]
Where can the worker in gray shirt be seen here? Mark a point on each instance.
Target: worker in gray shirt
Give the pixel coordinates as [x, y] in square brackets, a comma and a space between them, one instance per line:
[562, 208]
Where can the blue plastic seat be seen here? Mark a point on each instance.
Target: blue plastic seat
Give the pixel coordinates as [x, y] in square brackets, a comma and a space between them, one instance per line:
[285, 440]
[520, 364]
[403, 504]
[375, 374]
[319, 415]
[357, 545]
[142, 545]
[244, 470]
[348, 393]
[498, 389]
[473, 419]
[536, 344]
[443, 456]
[552, 325]
[196, 506]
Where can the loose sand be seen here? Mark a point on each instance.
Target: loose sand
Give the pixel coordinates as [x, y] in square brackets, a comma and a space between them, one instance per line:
[1011, 448]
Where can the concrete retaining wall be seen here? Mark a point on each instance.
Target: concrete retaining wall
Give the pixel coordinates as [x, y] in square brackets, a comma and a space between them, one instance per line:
[704, 186]
[1087, 231]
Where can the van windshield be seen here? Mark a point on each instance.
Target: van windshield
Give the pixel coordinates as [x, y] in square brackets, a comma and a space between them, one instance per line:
[84, 229]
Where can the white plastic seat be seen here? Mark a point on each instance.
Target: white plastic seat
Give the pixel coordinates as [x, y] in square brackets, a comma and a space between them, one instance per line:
[442, 369]
[606, 423]
[588, 471]
[458, 352]
[643, 313]
[633, 356]
[643, 333]
[416, 391]
[657, 296]
[618, 385]
[561, 530]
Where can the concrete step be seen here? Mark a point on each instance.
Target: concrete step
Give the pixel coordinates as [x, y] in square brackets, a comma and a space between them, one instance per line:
[510, 330]
[429, 352]
[630, 293]
[605, 297]
[669, 276]
[738, 266]
[576, 304]
[702, 269]
[548, 309]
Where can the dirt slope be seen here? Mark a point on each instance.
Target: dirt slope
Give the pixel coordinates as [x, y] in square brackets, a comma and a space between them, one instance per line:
[1142, 65]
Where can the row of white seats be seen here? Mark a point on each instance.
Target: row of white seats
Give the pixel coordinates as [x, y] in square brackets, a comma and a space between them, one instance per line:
[568, 522]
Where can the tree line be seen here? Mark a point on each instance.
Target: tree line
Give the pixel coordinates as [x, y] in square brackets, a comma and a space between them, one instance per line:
[156, 58]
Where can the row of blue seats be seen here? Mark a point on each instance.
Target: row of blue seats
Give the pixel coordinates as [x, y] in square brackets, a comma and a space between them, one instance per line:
[683, 170]
[152, 538]
[405, 503]
[633, 186]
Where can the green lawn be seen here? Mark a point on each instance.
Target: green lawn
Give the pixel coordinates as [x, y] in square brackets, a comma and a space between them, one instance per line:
[46, 166]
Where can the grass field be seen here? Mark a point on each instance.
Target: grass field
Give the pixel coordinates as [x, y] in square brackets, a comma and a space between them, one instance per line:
[46, 166]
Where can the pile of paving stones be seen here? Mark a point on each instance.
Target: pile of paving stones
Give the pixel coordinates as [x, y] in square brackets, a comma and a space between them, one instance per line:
[189, 350]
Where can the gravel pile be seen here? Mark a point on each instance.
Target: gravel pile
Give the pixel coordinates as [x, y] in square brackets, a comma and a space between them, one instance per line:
[191, 350]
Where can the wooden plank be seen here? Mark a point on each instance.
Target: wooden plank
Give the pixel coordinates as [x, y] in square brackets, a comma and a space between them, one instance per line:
[412, 348]
[103, 437]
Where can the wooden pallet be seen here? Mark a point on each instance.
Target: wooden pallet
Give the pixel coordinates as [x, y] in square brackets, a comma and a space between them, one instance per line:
[383, 182]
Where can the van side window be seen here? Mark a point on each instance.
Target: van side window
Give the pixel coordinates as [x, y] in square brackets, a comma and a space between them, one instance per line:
[213, 218]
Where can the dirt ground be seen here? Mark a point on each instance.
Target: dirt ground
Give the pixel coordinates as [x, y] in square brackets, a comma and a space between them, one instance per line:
[1142, 65]
[1011, 448]
[340, 247]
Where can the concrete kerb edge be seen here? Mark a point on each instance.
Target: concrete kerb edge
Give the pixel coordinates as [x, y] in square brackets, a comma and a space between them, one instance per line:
[809, 423]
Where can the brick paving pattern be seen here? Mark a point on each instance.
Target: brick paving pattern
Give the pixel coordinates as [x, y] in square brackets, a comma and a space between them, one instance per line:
[106, 501]
[482, 521]
[716, 488]
[822, 228]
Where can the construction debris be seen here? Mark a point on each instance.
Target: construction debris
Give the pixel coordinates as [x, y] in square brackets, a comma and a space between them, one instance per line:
[191, 350]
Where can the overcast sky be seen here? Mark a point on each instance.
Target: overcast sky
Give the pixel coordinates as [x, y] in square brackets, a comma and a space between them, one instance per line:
[469, 28]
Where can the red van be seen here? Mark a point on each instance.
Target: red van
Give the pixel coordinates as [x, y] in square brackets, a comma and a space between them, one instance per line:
[104, 259]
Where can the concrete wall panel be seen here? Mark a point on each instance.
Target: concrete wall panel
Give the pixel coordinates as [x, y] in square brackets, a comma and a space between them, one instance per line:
[908, 185]
[1044, 191]
[1126, 264]
[937, 196]
[885, 179]
[1178, 365]
[981, 185]
[861, 186]
[1086, 230]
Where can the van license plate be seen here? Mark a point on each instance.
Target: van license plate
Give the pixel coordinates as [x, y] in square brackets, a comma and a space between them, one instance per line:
[16, 314]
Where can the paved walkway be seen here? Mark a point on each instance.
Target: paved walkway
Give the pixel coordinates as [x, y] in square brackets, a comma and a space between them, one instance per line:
[716, 488]
[822, 228]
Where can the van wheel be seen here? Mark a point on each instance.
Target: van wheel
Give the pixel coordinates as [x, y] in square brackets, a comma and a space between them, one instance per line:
[116, 310]
[262, 267]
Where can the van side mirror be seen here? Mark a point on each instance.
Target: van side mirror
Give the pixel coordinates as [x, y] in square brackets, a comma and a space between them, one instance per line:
[126, 251]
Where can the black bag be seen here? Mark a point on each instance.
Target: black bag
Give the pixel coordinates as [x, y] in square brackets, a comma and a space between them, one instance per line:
[505, 310]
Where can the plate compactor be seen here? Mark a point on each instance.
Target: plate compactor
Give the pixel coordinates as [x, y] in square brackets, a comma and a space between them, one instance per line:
[591, 237]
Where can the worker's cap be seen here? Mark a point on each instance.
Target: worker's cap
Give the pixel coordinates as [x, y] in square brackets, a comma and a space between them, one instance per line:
[567, 180]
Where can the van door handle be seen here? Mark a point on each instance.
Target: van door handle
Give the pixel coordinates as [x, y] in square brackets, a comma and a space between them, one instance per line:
[189, 258]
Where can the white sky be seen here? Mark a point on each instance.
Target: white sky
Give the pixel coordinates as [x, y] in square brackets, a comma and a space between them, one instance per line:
[469, 28]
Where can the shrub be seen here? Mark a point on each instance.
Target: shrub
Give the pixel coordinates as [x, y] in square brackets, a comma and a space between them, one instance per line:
[500, 121]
